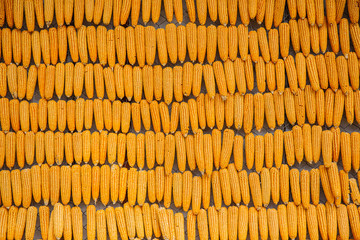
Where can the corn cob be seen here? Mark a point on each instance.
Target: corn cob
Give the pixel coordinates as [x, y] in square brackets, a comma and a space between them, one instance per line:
[325, 182]
[11, 222]
[253, 223]
[353, 71]
[159, 183]
[255, 188]
[336, 143]
[12, 80]
[295, 186]
[178, 83]
[355, 160]
[45, 183]
[16, 45]
[301, 222]
[265, 186]
[249, 150]
[20, 223]
[244, 187]
[16, 184]
[331, 220]
[67, 222]
[344, 183]
[292, 219]
[65, 184]
[343, 221]
[346, 151]
[58, 215]
[95, 182]
[26, 187]
[353, 219]
[249, 75]
[283, 222]
[54, 175]
[151, 180]
[101, 223]
[44, 215]
[86, 181]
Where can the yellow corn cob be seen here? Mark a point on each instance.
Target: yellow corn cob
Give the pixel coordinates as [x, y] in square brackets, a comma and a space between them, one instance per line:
[54, 175]
[105, 179]
[45, 183]
[191, 225]
[76, 184]
[353, 71]
[292, 219]
[92, 42]
[325, 183]
[16, 184]
[305, 188]
[101, 223]
[139, 224]
[265, 186]
[60, 44]
[331, 220]
[4, 217]
[259, 154]
[338, 107]
[101, 44]
[76, 220]
[186, 190]
[312, 222]
[284, 39]
[250, 150]
[58, 215]
[275, 184]
[53, 45]
[11, 222]
[354, 190]
[20, 148]
[10, 146]
[159, 147]
[354, 220]
[342, 69]
[26, 187]
[155, 220]
[146, 214]
[91, 221]
[95, 182]
[206, 192]
[35, 44]
[14, 114]
[151, 180]
[31, 217]
[255, 188]
[230, 76]
[44, 215]
[219, 111]
[283, 222]
[73, 43]
[346, 151]
[99, 5]
[67, 222]
[86, 183]
[36, 183]
[301, 222]
[213, 220]
[284, 179]
[263, 224]
[202, 224]
[244, 187]
[111, 222]
[336, 143]
[295, 186]
[355, 160]
[26, 47]
[333, 37]
[253, 223]
[321, 217]
[177, 189]
[344, 183]
[223, 228]
[178, 83]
